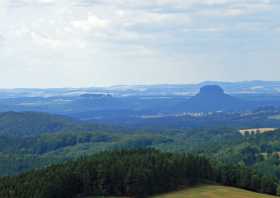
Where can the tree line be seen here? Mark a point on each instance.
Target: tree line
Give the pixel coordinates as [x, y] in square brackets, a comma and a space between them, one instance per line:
[133, 173]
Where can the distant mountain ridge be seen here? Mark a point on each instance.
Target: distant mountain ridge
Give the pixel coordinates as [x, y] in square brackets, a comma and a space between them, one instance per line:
[245, 87]
[126, 103]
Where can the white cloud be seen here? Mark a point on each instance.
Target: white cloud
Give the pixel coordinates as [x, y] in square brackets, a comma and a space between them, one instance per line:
[100, 37]
[1, 40]
[237, 9]
[206, 29]
[45, 41]
[277, 29]
[92, 22]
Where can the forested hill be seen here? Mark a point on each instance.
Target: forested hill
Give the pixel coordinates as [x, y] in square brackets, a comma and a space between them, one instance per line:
[31, 123]
[36, 123]
[134, 173]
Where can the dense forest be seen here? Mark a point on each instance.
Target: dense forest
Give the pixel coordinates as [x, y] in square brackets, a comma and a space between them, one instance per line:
[135, 173]
[19, 154]
[260, 151]
[60, 143]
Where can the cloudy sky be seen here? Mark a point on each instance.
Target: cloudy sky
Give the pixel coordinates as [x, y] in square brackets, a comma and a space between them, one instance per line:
[77, 43]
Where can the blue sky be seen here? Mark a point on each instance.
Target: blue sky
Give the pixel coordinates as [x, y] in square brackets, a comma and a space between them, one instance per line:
[77, 43]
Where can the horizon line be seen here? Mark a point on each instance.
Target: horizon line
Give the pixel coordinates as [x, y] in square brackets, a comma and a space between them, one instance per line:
[142, 84]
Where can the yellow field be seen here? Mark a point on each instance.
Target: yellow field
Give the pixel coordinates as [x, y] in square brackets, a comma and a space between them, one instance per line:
[257, 130]
[212, 191]
[209, 191]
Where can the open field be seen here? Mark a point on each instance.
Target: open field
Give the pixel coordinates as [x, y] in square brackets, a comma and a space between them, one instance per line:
[275, 117]
[257, 130]
[211, 191]
[105, 197]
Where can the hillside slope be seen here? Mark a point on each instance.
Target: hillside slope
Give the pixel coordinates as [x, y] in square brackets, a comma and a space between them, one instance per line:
[32, 123]
[27, 124]
[212, 191]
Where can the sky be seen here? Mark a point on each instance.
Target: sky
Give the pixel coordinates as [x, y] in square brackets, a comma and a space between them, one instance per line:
[83, 43]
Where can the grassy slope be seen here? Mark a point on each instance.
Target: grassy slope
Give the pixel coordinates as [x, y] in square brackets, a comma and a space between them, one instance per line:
[211, 191]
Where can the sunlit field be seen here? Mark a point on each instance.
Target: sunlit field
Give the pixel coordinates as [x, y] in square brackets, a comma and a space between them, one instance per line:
[210, 191]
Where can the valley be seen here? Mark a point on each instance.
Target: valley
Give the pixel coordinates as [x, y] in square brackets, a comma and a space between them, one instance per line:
[139, 99]
[242, 144]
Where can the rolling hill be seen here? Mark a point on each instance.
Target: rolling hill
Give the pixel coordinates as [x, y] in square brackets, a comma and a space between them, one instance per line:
[32, 123]
[212, 191]
[209, 191]
[27, 124]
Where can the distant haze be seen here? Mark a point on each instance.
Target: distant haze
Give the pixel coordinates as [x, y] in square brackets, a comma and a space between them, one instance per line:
[82, 43]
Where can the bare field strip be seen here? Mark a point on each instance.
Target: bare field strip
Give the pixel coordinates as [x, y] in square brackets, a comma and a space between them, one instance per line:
[257, 130]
